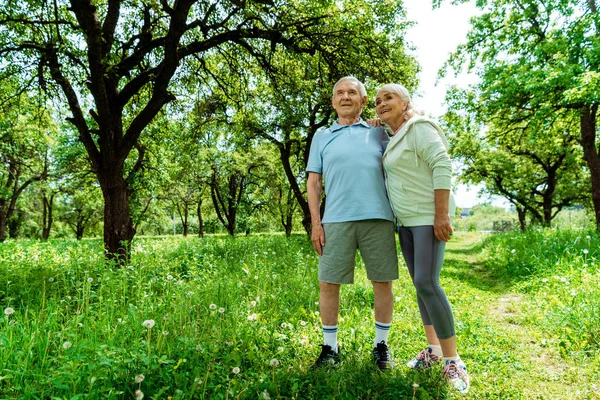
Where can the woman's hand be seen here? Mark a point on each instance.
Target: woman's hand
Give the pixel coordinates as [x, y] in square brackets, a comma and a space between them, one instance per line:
[442, 228]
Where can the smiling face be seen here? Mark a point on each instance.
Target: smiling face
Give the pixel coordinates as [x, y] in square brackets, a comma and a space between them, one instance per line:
[390, 108]
[347, 100]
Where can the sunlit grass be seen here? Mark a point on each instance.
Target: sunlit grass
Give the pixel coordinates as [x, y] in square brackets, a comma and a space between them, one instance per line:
[238, 318]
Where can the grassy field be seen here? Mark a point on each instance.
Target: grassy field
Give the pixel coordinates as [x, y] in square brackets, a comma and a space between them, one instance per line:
[228, 318]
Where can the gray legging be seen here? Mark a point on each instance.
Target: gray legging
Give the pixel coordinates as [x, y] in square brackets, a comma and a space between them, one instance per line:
[424, 256]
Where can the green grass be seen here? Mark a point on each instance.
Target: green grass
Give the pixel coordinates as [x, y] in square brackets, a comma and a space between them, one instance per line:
[528, 321]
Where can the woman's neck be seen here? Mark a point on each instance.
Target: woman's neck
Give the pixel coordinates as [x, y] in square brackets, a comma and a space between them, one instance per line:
[397, 125]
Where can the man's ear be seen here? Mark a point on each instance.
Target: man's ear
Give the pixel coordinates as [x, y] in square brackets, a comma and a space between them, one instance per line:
[364, 101]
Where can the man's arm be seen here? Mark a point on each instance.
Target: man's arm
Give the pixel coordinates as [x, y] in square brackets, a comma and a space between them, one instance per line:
[313, 193]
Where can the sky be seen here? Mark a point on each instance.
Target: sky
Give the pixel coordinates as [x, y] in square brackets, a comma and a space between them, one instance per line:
[435, 36]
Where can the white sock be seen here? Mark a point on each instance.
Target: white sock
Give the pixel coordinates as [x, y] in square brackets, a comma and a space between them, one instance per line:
[382, 330]
[330, 336]
[436, 349]
[456, 359]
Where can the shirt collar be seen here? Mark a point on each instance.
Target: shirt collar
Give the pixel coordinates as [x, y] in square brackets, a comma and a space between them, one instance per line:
[337, 127]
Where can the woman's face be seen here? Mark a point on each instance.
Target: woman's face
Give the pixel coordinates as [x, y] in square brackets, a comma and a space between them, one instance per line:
[390, 107]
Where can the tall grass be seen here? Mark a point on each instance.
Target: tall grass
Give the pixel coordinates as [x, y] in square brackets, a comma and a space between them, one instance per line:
[228, 318]
[212, 318]
[561, 269]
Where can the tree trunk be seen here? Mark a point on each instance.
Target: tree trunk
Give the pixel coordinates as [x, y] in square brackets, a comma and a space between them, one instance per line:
[284, 155]
[80, 228]
[14, 223]
[118, 225]
[200, 220]
[226, 208]
[47, 216]
[522, 213]
[8, 205]
[288, 224]
[2, 220]
[185, 219]
[549, 196]
[590, 153]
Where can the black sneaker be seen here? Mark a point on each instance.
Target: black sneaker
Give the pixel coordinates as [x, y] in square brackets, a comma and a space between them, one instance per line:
[382, 358]
[327, 357]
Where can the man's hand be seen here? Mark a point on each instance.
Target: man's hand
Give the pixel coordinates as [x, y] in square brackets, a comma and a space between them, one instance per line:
[442, 228]
[318, 238]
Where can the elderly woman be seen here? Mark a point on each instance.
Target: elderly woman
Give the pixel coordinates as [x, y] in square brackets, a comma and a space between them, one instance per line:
[418, 171]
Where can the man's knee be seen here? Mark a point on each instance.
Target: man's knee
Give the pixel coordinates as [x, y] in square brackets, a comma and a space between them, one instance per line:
[382, 288]
[329, 289]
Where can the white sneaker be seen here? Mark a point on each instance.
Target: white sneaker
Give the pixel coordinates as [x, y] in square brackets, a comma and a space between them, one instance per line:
[456, 374]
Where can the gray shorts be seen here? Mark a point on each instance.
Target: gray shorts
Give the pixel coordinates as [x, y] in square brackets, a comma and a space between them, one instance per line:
[374, 238]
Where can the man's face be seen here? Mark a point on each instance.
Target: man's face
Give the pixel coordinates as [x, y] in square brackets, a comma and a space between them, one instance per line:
[347, 101]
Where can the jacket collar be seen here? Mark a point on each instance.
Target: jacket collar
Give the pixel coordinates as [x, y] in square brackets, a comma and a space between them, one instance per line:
[402, 132]
[337, 127]
[406, 128]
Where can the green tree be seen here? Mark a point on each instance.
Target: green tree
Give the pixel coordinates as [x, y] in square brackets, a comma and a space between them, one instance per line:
[537, 59]
[119, 61]
[24, 130]
[537, 166]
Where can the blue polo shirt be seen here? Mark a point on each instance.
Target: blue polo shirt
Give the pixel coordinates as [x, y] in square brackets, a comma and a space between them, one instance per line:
[349, 158]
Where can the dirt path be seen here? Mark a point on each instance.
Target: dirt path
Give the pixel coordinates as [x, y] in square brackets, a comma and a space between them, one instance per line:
[511, 357]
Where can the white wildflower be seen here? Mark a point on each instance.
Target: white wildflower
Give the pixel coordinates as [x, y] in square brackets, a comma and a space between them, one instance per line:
[67, 345]
[274, 362]
[139, 378]
[8, 311]
[236, 370]
[149, 323]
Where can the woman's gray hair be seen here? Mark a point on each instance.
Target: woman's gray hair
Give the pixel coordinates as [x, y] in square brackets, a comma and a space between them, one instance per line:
[361, 87]
[398, 89]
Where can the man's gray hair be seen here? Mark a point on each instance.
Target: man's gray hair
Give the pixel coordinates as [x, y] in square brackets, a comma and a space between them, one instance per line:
[361, 87]
[398, 89]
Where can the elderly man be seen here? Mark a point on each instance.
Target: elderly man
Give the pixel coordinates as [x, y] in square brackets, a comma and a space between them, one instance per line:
[357, 216]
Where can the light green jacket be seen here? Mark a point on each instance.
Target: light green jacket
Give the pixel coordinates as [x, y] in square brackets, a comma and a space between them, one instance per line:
[416, 162]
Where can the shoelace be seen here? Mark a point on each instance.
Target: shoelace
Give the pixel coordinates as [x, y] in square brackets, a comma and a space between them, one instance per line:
[426, 356]
[382, 353]
[453, 372]
[423, 355]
